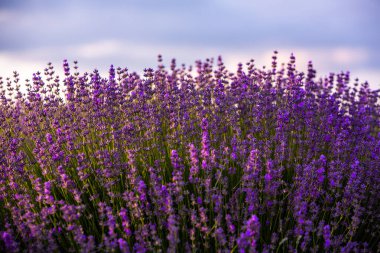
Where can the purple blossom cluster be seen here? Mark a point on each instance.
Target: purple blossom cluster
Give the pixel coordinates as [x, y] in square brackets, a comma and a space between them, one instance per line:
[185, 159]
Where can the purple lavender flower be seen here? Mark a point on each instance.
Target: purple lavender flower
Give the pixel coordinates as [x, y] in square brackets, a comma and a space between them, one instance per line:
[173, 236]
[194, 170]
[205, 152]
[326, 237]
[123, 245]
[125, 222]
[248, 238]
[47, 192]
[10, 244]
[181, 160]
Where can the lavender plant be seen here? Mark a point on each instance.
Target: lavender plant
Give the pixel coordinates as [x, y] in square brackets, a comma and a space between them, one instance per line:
[183, 160]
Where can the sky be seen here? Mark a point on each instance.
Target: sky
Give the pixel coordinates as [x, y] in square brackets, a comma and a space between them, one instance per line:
[339, 35]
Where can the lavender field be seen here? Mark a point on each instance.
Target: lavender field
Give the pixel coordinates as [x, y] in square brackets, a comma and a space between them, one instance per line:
[189, 160]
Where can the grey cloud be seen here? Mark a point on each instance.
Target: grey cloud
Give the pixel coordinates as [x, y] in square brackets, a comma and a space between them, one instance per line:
[219, 24]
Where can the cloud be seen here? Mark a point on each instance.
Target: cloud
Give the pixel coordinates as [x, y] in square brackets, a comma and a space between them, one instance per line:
[372, 76]
[139, 55]
[337, 35]
[349, 55]
[207, 23]
[6, 15]
[11, 62]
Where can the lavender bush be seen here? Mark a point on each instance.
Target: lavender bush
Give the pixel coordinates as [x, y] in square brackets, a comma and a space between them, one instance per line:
[182, 160]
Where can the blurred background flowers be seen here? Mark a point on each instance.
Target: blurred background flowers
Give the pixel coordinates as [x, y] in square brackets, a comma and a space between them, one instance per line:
[337, 35]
